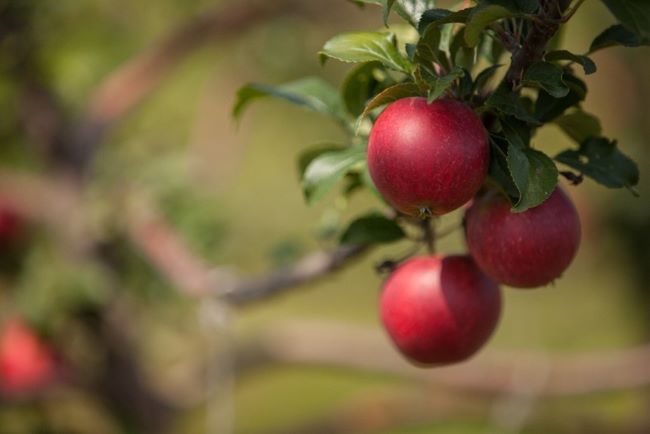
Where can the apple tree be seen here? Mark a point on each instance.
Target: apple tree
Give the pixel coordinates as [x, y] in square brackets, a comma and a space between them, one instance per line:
[444, 117]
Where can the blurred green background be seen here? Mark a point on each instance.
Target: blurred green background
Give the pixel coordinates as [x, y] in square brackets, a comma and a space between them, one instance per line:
[232, 192]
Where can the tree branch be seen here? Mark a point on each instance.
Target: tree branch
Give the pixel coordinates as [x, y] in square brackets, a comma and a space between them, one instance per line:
[492, 372]
[130, 83]
[168, 253]
[541, 31]
[306, 270]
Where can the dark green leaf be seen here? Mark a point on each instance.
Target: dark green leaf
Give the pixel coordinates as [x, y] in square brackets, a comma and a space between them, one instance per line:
[587, 64]
[393, 93]
[462, 56]
[366, 47]
[515, 131]
[311, 92]
[371, 229]
[465, 85]
[633, 14]
[499, 173]
[442, 16]
[359, 85]
[442, 84]
[600, 159]
[534, 175]
[480, 18]
[427, 50]
[579, 125]
[508, 102]
[548, 108]
[324, 171]
[617, 35]
[308, 155]
[544, 75]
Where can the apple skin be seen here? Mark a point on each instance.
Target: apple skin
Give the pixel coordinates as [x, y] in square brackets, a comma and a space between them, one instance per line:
[12, 225]
[26, 362]
[433, 156]
[527, 249]
[439, 310]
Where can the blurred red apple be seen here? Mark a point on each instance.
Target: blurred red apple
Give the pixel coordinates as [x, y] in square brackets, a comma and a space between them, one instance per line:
[439, 310]
[428, 157]
[26, 362]
[11, 224]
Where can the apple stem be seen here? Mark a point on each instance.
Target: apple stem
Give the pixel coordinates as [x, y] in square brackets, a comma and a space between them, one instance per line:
[429, 236]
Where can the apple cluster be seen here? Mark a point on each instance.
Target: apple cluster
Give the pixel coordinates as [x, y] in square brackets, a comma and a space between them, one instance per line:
[427, 159]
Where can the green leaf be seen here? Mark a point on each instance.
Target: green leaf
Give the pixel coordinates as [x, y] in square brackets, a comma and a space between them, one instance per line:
[516, 132]
[480, 18]
[310, 154]
[600, 159]
[587, 64]
[633, 14]
[442, 16]
[548, 107]
[393, 93]
[387, 8]
[499, 173]
[579, 125]
[465, 85]
[324, 171]
[372, 229]
[409, 10]
[534, 175]
[311, 92]
[412, 10]
[442, 84]
[427, 50]
[366, 47]
[367, 181]
[617, 35]
[508, 102]
[462, 56]
[358, 87]
[546, 76]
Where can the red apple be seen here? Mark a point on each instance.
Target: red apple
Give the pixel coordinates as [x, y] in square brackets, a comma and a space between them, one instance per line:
[439, 310]
[26, 362]
[428, 156]
[11, 225]
[526, 249]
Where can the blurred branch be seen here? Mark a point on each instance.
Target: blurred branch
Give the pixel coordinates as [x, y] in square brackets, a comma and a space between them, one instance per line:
[306, 270]
[50, 200]
[131, 82]
[388, 412]
[170, 255]
[492, 373]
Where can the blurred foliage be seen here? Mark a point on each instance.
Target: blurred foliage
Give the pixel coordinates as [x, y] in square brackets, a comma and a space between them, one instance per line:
[233, 195]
